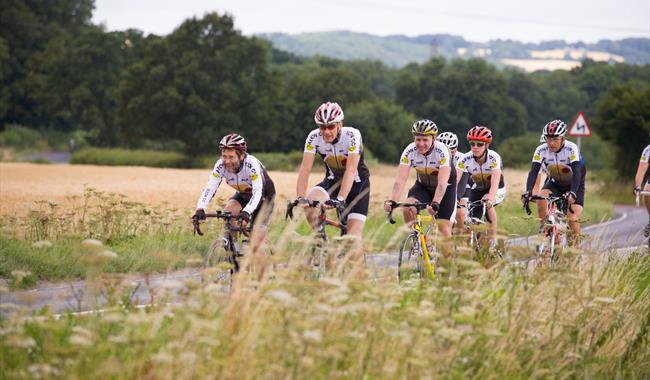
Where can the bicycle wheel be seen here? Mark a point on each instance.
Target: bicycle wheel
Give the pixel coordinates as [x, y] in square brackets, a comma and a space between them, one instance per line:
[409, 262]
[216, 260]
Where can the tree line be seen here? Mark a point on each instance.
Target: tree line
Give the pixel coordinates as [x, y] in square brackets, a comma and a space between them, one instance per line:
[185, 90]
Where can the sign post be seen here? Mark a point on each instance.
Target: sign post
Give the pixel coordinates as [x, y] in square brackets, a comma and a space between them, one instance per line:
[580, 128]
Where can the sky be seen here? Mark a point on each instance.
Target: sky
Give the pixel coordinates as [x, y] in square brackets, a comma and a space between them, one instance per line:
[475, 20]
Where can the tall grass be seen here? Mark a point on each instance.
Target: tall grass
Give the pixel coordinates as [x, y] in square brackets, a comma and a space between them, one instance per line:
[581, 320]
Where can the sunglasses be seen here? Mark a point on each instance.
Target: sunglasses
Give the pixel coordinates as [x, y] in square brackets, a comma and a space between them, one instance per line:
[328, 127]
[476, 143]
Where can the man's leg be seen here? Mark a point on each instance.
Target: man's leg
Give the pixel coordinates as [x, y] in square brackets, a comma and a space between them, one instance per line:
[574, 223]
[316, 193]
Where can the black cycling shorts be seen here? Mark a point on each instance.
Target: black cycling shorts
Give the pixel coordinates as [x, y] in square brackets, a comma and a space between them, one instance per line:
[558, 190]
[357, 201]
[425, 194]
[266, 204]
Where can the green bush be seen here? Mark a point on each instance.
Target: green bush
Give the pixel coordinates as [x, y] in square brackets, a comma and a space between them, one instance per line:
[280, 161]
[20, 137]
[517, 151]
[125, 157]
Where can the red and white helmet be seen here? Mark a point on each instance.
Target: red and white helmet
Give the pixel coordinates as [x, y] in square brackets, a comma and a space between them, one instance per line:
[233, 141]
[554, 128]
[328, 113]
[480, 133]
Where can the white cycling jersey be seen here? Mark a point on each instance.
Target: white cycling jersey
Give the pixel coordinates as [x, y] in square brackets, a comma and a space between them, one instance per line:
[481, 174]
[249, 179]
[427, 167]
[335, 154]
[558, 164]
[457, 156]
[645, 156]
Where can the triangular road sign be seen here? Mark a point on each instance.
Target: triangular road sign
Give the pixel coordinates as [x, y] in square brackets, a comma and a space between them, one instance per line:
[580, 127]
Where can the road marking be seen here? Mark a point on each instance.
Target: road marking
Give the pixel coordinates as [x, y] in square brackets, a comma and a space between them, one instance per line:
[619, 219]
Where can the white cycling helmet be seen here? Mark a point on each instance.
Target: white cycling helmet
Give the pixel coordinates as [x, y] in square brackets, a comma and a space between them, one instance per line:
[328, 113]
[542, 138]
[554, 128]
[449, 139]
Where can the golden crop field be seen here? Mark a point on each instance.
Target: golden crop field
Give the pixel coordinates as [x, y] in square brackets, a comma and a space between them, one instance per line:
[21, 184]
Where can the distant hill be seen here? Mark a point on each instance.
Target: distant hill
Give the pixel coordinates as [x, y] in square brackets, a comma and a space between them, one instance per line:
[399, 50]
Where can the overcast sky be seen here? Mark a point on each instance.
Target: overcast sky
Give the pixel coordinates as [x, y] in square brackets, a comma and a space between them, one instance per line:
[475, 20]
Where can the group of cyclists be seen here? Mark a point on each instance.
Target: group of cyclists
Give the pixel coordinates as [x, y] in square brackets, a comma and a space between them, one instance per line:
[446, 178]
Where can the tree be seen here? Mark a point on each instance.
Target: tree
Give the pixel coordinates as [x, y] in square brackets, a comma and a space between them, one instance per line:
[202, 81]
[27, 27]
[624, 119]
[385, 127]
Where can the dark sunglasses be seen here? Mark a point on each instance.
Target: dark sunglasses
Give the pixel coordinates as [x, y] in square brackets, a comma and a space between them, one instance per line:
[329, 127]
[476, 143]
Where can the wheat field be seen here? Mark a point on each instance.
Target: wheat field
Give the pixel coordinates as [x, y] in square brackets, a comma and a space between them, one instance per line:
[21, 184]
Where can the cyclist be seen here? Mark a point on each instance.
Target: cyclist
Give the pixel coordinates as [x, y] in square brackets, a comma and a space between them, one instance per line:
[484, 167]
[566, 173]
[464, 184]
[641, 183]
[255, 191]
[436, 178]
[346, 185]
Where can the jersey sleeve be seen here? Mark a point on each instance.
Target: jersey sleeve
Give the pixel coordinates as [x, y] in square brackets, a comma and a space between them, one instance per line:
[537, 156]
[258, 184]
[354, 141]
[405, 159]
[461, 165]
[311, 144]
[645, 156]
[444, 157]
[574, 153]
[211, 188]
[496, 161]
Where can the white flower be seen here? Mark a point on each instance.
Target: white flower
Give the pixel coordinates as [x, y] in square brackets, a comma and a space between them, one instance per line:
[42, 244]
[91, 243]
[282, 296]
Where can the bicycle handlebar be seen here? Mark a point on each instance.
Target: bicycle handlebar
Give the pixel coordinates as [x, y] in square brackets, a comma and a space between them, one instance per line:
[419, 206]
[639, 194]
[562, 201]
[225, 215]
[291, 205]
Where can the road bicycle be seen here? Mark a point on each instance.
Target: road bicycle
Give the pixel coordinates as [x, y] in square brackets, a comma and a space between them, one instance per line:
[230, 243]
[414, 255]
[555, 227]
[639, 194]
[320, 257]
[477, 227]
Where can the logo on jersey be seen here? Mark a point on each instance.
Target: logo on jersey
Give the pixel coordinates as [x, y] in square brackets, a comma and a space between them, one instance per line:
[443, 161]
[461, 165]
[254, 177]
[215, 174]
[494, 165]
[572, 157]
[405, 160]
[537, 157]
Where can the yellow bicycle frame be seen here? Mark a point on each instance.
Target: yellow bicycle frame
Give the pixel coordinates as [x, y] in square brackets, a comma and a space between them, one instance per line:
[417, 226]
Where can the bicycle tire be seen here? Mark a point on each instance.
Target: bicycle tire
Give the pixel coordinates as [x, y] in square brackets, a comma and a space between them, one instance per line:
[214, 257]
[409, 261]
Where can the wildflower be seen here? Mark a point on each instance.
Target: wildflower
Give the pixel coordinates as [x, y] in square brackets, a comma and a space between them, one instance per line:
[91, 243]
[282, 296]
[312, 335]
[42, 244]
